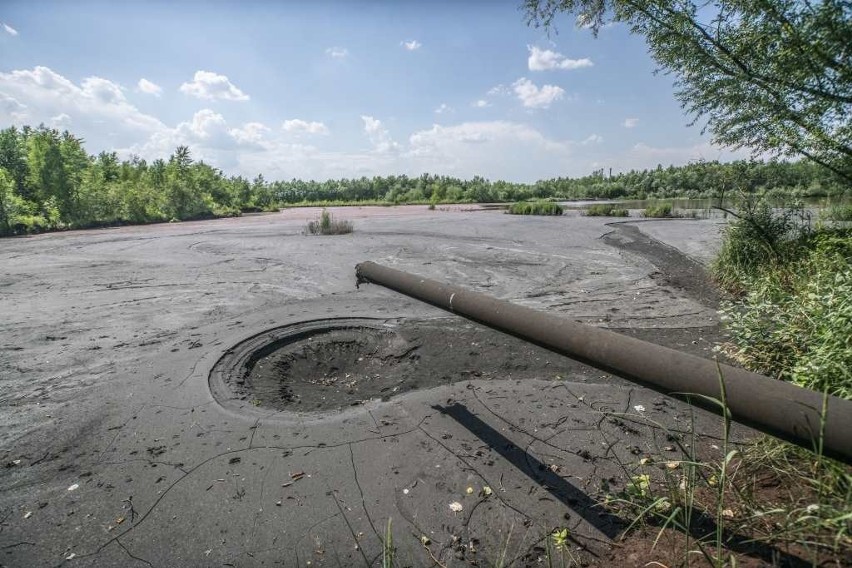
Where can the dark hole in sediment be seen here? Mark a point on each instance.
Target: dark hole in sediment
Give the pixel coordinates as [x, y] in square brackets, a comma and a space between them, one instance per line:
[333, 366]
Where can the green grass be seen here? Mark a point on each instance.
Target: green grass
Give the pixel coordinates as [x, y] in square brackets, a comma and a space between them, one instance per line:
[606, 210]
[705, 499]
[660, 211]
[328, 225]
[792, 319]
[839, 212]
[535, 208]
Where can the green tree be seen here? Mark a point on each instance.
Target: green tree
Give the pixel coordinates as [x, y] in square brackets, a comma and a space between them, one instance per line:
[774, 76]
[7, 195]
[13, 158]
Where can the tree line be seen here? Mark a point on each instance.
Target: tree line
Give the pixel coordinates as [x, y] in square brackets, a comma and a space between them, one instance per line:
[48, 181]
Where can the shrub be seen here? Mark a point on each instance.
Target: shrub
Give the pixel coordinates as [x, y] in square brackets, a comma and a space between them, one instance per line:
[759, 240]
[535, 208]
[327, 225]
[658, 211]
[794, 321]
[606, 210]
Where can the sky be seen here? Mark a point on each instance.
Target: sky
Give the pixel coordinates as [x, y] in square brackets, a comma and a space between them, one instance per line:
[319, 90]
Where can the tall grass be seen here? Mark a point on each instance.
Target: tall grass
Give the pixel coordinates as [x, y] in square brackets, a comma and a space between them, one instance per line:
[328, 225]
[535, 208]
[606, 210]
[793, 319]
[658, 211]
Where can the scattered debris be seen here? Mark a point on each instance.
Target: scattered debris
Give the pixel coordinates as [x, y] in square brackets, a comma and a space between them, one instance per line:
[28, 514]
[73, 487]
[639, 408]
[456, 507]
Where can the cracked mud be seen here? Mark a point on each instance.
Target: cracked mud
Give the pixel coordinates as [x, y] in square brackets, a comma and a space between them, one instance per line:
[116, 453]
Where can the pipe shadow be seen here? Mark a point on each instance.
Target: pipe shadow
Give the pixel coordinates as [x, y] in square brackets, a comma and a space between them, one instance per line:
[590, 510]
[572, 497]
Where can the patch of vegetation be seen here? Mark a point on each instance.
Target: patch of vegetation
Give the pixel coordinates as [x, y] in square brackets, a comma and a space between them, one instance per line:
[328, 225]
[761, 240]
[660, 211]
[793, 317]
[719, 507]
[606, 210]
[535, 208]
[839, 212]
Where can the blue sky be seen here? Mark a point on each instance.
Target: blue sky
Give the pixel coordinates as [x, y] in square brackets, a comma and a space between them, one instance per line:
[343, 89]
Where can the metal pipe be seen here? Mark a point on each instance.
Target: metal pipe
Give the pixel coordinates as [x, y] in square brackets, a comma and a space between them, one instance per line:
[775, 407]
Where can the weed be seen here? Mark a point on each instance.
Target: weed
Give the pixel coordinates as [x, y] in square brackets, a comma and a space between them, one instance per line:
[388, 551]
[535, 208]
[722, 505]
[659, 211]
[327, 225]
[606, 210]
[793, 319]
[838, 212]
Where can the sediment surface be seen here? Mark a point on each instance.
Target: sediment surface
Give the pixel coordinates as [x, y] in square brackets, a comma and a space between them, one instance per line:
[117, 454]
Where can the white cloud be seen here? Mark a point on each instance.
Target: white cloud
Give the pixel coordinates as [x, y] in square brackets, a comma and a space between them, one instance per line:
[411, 45]
[103, 90]
[250, 133]
[210, 86]
[92, 103]
[499, 90]
[545, 59]
[379, 136]
[210, 138]
[61, 121]
[593, 139]
[10, 30]
[533, 96]
[302, 126]
[443, 109]
[337, 52]
[149, 88]
[498, 149]
[630, 122]
[481, 103]
[10, 105]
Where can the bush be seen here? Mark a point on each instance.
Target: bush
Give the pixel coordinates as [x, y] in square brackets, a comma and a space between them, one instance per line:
[794, 321]
[660, 211]
[606, 210]
[758, 241]
[327, 225]
[535, 208]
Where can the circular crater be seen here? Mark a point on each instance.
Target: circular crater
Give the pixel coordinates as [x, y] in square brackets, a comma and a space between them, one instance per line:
[332, 364]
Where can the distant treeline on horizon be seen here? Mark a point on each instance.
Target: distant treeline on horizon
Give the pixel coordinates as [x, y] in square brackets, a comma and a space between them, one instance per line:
[48, 181]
